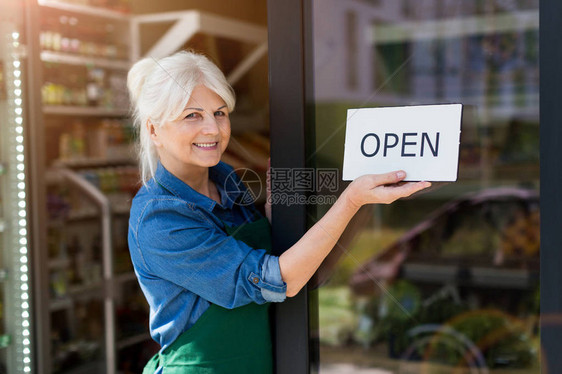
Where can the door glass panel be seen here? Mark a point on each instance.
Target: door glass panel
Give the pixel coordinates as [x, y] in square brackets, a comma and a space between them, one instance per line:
[446, 281]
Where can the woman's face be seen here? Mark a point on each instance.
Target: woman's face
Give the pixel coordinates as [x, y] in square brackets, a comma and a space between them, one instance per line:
[198, 137]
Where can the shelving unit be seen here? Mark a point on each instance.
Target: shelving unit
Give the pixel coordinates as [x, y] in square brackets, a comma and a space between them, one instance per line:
[70, 59]
[84, 9]
[85, 246]
[93, 295]
[187, 23]
[77, 292]
[93, 162]
[60, 304]
[104, 289]
[107, 257]
[65, 110]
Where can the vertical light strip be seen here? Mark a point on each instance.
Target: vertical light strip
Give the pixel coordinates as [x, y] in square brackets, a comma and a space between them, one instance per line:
[19, 226]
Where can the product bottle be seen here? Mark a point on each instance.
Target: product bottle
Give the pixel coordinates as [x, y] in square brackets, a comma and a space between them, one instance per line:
[78, 140]
[74, 251]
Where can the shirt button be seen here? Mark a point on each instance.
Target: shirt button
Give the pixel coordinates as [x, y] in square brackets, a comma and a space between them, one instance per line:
[255, 280]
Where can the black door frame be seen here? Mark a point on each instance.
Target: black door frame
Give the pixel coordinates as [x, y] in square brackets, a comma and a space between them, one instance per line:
[289, 99]
[550, 49]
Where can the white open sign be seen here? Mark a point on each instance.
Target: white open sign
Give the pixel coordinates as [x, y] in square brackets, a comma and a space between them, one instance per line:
[422, 140]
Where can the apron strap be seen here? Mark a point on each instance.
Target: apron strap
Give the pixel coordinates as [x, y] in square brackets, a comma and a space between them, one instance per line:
[152, 365]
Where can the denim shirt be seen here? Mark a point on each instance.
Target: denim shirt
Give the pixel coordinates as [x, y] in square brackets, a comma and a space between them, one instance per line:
[184, 260]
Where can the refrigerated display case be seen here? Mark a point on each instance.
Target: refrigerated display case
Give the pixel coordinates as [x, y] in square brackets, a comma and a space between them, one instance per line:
[16, 333]
[96, 308]
[90, 307]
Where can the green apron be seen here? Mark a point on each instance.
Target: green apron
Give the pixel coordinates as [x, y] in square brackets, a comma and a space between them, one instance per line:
[229, 341]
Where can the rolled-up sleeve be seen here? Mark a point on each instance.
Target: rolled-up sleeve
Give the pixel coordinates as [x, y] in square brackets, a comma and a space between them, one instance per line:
[272, 286]
[181, 245]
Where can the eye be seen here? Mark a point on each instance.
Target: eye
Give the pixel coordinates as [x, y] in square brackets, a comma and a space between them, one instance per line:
[193, 115]
[220, 113]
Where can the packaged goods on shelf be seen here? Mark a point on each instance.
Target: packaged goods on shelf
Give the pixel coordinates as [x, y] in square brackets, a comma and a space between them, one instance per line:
[80, 36]
[59, 284]
[117, 84]
[110, 180]
[123, 6]
[76, 268]
[118, 138]
[99, 140]
[83, 86]
[66, 204]
[118, 183]
[82, 342]
[58, 206]
[72, 145]
[94, 87]
[60, 94]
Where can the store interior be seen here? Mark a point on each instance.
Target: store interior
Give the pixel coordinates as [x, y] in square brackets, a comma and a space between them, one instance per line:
[446, 282]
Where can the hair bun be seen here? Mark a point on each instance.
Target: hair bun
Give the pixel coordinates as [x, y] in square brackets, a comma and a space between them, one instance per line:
[137, 76]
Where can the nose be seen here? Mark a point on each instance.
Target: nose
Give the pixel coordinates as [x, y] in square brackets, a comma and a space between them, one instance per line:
[210, 126]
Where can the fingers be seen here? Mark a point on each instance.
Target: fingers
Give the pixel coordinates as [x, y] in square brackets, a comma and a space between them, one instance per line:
[382, 188]
[388, 178]
[415, 187]
[407, 189]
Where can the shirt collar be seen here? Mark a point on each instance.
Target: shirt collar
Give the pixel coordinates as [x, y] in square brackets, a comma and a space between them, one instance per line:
[228, 185]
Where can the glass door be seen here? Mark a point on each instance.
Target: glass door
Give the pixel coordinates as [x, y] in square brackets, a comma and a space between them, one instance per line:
[15, 308]
[447, 281]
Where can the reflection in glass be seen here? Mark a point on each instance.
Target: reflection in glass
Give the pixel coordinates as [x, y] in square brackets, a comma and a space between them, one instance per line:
[445, 282]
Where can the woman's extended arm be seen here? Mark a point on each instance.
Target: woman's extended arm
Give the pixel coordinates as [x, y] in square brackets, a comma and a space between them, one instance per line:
[300, 262]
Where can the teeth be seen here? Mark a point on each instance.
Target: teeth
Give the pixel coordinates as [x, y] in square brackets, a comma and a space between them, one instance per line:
[205, 145]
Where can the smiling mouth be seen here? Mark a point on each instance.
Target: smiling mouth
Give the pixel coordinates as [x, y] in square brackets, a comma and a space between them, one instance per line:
[206, 145]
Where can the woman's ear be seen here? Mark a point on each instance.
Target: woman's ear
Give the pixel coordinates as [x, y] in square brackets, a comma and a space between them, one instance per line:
[153, 131]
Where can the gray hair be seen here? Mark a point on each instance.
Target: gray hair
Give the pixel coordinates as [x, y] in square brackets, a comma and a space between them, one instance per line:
[159, 91]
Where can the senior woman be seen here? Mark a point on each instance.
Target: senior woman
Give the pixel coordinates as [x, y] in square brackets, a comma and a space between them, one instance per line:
[201, 258]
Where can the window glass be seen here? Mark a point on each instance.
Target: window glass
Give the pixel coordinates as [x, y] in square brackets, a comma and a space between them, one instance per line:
[446, 281]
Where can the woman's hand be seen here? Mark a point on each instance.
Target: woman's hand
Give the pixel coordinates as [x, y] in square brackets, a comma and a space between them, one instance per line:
[380, 189]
